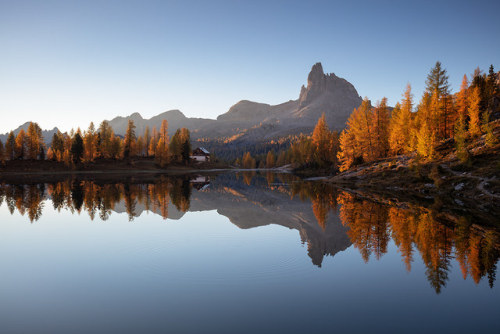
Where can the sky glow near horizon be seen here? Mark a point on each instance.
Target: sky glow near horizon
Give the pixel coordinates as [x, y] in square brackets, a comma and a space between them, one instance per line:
[66, 63]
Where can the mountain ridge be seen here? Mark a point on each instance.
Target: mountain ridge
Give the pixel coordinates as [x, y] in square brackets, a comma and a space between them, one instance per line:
[324, 93]
[250, 121]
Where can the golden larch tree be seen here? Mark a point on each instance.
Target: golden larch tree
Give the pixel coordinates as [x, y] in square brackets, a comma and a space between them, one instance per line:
[460, 137]
[21, 145]
[248, 161]
[426, 140]
[147, 139]
[90, 143]
[425, 132]
[139, 150]
[322, 142]
[33, 141]
[270, 159]
[462, 100]
[153, 142]
[364, 132]
[357, 141]
[474, 112]
[130, 140]
[380, 126]
[116, 147]
[105, 139]
[348, 152]
[57, 146]
[50, 154]
[162, 146]
[400, 125]
[10, 146]
[281, 159]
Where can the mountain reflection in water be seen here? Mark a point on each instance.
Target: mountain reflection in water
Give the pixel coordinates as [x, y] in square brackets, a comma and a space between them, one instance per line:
[329, 220]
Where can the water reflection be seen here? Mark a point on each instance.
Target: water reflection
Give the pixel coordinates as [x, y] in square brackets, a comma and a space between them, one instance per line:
[97, 198]
[371, 227]
[328, 220]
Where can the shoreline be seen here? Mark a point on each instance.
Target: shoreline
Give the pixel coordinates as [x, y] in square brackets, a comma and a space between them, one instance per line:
[380, 187]
[119, 174]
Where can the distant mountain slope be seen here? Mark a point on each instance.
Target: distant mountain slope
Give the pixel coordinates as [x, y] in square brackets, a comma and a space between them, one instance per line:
[175, 118]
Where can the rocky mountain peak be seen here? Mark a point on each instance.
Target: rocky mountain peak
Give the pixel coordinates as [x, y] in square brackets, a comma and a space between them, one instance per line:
[315, 85]
[319, 83]
[316, 76]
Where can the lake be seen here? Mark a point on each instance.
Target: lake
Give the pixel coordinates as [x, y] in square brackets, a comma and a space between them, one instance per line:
[237, 253]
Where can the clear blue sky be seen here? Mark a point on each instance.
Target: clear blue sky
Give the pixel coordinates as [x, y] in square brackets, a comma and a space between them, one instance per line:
[66, 63]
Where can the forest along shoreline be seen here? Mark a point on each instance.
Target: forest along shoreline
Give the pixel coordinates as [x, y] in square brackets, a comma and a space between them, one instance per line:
[444, 183]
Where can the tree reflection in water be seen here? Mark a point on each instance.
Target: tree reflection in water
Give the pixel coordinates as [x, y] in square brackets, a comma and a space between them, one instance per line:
[372, 225]
[416, 231]
[96, 197]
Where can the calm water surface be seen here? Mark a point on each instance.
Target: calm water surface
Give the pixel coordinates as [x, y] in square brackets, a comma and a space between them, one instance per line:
[237, 254]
